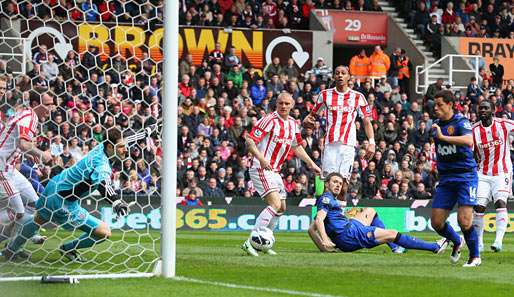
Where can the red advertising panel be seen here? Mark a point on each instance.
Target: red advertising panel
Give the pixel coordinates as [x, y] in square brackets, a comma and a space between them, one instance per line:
[355, 28]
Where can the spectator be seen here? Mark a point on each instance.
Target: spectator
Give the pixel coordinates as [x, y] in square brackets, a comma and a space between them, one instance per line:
[50, 68]
[231, 59]
[258, 92]
[359, 66]
[291, 70]
[497, 71]
[212, 190]
[420, 192]
[370, 188]
[380, 63]
[275, 68]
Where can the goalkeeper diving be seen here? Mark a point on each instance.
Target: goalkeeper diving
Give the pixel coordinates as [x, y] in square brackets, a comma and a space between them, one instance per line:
[60, 201]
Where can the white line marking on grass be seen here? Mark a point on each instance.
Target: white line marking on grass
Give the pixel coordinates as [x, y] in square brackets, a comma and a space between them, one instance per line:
[262, 289]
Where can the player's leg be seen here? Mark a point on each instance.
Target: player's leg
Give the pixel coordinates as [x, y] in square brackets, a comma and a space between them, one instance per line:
[503, 185]
[442, 203]
[6, 224]
[484, 195]
[265, 184]
[369, 217]
[386, 236]
[29, 198]
[344, 162]
[466, 195]
[95, 232]
[29, 226]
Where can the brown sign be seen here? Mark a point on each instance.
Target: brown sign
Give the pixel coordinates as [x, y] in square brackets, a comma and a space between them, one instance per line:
[490, 48]
[254, 47]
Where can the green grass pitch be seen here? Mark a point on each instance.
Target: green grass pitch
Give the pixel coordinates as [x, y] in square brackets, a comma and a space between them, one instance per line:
[298, 270]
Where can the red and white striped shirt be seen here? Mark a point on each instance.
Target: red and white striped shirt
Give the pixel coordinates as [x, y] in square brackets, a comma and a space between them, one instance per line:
[492, 146]
[341, 111]
[274, 137]
[23, 125]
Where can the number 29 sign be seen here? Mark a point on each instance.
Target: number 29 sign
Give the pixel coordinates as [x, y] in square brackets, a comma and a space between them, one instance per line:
[355, 28]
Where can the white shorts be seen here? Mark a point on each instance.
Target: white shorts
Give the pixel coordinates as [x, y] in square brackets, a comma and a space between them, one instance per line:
[266, 181]
[10, 198]
[493, 188]
[338, 157]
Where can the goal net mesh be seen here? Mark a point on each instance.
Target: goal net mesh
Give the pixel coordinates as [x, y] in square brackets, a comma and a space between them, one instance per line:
[101, 62]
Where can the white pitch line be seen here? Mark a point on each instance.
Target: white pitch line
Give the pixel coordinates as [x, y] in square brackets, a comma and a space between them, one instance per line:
[262, 289]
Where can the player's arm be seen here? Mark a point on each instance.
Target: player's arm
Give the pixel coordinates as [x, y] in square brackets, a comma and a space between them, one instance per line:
[107, 191]
[310, 119]
[462, 140]
[300, 152]
[29, 147]
[364, 112]
[252, 148]
[319, 235]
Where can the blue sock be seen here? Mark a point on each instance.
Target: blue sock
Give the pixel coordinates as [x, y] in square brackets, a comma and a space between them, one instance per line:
[378, 223]
[409, 242]
[471, 238]
[84, 241]
[26, 230]
[450, 234]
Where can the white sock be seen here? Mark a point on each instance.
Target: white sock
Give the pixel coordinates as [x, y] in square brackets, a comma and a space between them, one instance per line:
[502, 220]
[265, 218]
[478, 223]
[274, 221]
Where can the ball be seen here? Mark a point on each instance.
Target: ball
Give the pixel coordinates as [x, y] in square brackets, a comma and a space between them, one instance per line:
[262, 239]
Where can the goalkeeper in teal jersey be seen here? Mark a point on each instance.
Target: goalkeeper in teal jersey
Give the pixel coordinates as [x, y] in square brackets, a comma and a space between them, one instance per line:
[60, 202]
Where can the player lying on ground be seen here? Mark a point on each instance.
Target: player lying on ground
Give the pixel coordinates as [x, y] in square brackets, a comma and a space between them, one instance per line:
[270, 142]
[332, 229]
[492, 150]
[458, 178]
[60, 201]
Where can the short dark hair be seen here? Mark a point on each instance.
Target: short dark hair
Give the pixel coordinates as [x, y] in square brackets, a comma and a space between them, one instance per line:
[113, 136]
[333, 174]
[447, 96]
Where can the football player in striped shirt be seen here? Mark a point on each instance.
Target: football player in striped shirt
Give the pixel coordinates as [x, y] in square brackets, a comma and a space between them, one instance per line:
[270, 142]
[492, 151]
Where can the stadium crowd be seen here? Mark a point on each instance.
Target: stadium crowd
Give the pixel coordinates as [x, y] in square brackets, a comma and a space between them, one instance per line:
[433, 19]
[91, 95]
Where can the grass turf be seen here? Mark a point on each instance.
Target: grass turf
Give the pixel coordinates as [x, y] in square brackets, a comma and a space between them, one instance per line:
[216, 257]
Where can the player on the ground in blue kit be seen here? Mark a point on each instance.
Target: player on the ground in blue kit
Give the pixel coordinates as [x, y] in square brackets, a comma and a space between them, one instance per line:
[332, 229]
[458, 178]
[60, 201]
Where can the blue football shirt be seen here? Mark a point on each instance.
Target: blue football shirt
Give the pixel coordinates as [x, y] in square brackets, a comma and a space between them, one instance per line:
[335, 220]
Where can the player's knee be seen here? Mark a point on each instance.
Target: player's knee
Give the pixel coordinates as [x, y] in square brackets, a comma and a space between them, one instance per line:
[499, 204]
[464, 222]
[479, 209]
[437, 224]
[103, 231]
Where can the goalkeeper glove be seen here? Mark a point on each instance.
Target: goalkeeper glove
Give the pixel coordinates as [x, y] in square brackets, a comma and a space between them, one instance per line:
[120, 208]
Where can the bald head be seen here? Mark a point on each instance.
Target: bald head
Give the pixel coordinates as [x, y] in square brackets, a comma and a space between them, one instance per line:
[285, 103]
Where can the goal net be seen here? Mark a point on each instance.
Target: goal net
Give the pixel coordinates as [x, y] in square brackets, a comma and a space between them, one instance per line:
[101, 63]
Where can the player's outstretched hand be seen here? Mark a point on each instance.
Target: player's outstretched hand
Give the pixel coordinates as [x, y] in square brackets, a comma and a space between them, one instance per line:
[370, 151]
[120, 208]
[315, 167]
[309, 122]
[46, 156]
[329, 245]
[437, 131]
